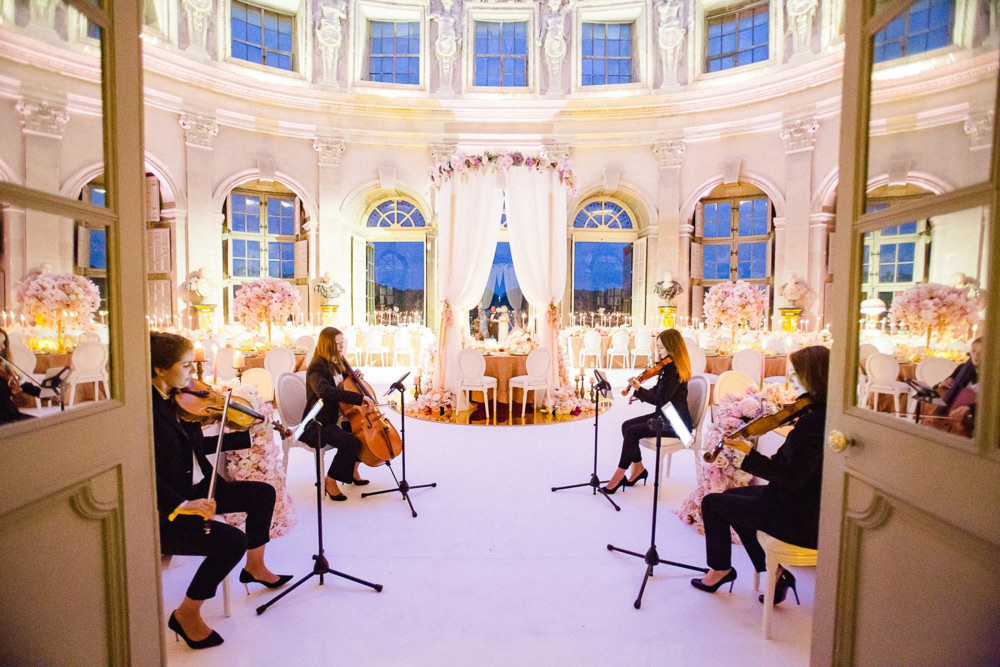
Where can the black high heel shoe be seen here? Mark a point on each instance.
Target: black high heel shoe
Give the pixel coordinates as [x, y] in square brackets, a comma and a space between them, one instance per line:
[643, 476]
[785, 581]
[208, 642]
[360, 482]
[608, 490]
[338, 497]
[729, 577]
[246, 578]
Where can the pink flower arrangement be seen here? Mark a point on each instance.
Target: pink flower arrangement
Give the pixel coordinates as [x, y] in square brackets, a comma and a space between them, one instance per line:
[433, 402]
[54, 296]
[461, 164]
[734, 304]
[566, 402]
[934, 306]
[265, 300]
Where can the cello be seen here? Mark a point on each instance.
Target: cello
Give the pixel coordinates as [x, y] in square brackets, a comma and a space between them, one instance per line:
[380, 441]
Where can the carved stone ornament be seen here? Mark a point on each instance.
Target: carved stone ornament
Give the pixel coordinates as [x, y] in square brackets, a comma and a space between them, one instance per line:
[43, 12]
[670, 37]
[42, 118]
[198, 12]
[330, 35]
[799, 16]
[669, 153]
[799, 135]
[447, 43]
[554, 42]
[329, 151]
[979, 127]
[199, 131]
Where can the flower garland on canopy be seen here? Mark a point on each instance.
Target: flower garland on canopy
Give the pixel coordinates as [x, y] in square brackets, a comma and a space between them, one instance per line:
[733, 413]
[734, 304]
[265, 300]
[462, 163]
[49, 297]
[930, 306]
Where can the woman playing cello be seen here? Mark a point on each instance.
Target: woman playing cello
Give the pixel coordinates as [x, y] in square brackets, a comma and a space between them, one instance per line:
[671, 387]
[182, 481]
[326, 372]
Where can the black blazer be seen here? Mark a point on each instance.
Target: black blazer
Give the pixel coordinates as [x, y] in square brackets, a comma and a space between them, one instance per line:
[320, 383]
[668, 389]
[795, 476]
[173, 442]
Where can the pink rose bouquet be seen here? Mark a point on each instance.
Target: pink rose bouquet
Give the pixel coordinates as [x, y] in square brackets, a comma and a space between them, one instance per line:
[265, 300]
[734, 304]
[47, 296]
[934, 306]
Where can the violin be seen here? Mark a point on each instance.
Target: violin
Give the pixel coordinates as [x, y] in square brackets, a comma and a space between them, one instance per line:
[199, 403]
[649, 372]
[953, 412]
[380, 441]
[762, 425]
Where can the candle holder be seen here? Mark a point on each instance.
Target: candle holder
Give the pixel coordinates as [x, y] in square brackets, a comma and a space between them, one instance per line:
[239, 374]
[199, 369]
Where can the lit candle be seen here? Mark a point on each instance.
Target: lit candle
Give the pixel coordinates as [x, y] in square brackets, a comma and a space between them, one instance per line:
[238, 361]
[199, 352]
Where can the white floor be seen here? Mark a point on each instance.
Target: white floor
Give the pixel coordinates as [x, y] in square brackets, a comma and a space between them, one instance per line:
[496, 569]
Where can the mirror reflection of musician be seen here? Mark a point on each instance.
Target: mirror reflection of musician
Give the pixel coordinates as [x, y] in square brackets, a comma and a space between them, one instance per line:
[788, 506]
[183, 474]
[326, 372]
[11, 385]
[671, 387]
[959, 392]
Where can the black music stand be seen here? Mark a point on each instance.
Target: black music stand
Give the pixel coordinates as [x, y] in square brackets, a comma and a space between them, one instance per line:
[402, 485]
[53, 382]
[601, 388]
[924, 394]
[652, 558]
[321, 567]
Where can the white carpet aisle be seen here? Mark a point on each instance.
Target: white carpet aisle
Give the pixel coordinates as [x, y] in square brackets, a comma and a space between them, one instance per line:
[496, 569]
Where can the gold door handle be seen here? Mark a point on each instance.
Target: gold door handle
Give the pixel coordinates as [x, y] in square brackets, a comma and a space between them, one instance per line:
[838, 441]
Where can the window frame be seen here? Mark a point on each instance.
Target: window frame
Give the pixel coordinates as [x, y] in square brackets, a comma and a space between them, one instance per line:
[736, 11]
[600, 235]
[870, 285]
[527, 14]
[357, 64]
[397, 234]
[776, 49]
[643, 49]
[954, 30]
[394, 56]
[294, 56]
[733, 241]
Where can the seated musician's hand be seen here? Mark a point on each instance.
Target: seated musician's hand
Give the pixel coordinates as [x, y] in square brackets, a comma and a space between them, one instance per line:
[634, 383]
[946, 384]
[202, 506]
[367, 402]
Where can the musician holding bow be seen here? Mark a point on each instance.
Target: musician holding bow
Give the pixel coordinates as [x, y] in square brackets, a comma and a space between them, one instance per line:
[183, 474]
[788, 506]
[671, 387]
[959, 391]
[323, 379]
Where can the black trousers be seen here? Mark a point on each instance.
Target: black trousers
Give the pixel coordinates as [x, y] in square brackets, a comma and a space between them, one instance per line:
[225, 545]
[348, 452]
[634, 430]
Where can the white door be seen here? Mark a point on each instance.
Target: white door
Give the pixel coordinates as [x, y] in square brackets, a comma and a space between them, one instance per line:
[78, 546]
[910, 534]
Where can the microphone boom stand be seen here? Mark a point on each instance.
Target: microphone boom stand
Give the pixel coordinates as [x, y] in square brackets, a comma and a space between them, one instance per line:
[651, 557]
[402, 485]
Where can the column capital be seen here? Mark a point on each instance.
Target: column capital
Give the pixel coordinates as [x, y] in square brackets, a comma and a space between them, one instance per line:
[441, 152]
[979, 127]
[799, 135]
[558, 152]
[42, 118]
[329, 151]
[669, 152]
[199, 131]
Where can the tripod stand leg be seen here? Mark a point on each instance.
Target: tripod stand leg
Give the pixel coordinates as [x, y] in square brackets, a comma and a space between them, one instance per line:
[261, 609]
[642, 587]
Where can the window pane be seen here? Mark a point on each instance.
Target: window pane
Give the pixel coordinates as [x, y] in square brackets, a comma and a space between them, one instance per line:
[399, 275]
[602, 276]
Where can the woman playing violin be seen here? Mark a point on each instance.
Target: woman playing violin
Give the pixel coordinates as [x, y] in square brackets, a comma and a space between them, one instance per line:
[323, 379]
[183, 474]
[11, 386]
[788, 506]
[671, 387]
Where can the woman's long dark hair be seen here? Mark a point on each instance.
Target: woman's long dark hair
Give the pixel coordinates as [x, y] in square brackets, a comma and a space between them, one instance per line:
[812, 366]
[328, 350]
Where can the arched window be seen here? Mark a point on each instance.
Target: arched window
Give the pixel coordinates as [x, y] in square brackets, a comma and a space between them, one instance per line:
[396, 262]
[604, 232]
[894, 258]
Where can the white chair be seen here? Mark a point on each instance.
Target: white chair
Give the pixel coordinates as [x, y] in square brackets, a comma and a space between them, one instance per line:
[778, 553]
[261, 379]
[279, 360]
[308, 344]
[290, 395]
[618, 348]
[697, 400]
[402, 344]
[24, 359]
[690, 342]
[932, 370]
[750, 362]
[90, 337]
[864, 351]
[538, 364]
[773, 344]
[730, 383]
[882, 371]
[643, 347]
[591, 348]
[374, 347]
[884, 344]
[89, 363]
[698, 361]
[350, 346]
[472, 366]
[222, 369]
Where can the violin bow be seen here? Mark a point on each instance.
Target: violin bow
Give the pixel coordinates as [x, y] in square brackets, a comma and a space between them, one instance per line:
[218, 450]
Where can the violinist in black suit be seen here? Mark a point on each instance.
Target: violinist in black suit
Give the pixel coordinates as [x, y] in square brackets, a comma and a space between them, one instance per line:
[183, 474]
[323, 379]
[965, 376]
[11, 386]
[788, 506]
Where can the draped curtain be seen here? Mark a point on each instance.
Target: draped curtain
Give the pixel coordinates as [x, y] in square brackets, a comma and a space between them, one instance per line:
[536, 223]
[468, 229]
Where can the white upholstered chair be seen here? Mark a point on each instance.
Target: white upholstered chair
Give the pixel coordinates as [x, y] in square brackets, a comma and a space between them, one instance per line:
[90, 364]
[279, 360]
[472, 367]
[591, 348]
[643, 347]
[778, 553]
[750, 362]
[538, 363]
[308, 344]
[402, 344]
[222, 369]
[882, 371]
[730, 383]
[375, 348]
[618, 348]
[697, 401]
[290, 395]
[24, 359]
[261, 379]
[933, 370]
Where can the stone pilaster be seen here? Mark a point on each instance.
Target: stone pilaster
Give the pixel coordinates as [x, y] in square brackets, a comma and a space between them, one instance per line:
[668, 250]
[330, 239]
[799, 137]
[200, 233]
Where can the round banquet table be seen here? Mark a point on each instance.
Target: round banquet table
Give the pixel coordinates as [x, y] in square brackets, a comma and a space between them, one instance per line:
[503, 367]
[720, 363]
[257, 361]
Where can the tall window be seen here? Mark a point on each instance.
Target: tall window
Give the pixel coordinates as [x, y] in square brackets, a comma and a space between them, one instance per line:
[501, 54]
[397, 271]
[606, 56]
[261, 36]
[926, 25]
[735, 236]
[91, 242]
[603, 234]
[893, 258]
[394, 51]
[737, 37]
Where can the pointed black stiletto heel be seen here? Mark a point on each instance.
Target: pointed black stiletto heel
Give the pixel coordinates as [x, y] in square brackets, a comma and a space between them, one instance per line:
[785, 581]
[338, 497]
[208, 642]
[246, 578]
[641, 476]
[730, 577]
[608, 490]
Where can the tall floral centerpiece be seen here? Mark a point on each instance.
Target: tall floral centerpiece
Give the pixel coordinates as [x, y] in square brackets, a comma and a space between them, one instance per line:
[734, 305]
[265, 300]
[934, 307]
[57, 298]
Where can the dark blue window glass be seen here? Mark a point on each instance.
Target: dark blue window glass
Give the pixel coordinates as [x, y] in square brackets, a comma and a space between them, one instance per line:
[737, 38]
[751, 260]
[396, 213]
[281, 259]
[602, 276]
[281, 216]
[926, 25]
[260, 36]
[98, 249]
[245, 216]
[501, 50]
[399, 275]
[606, 54]
[603, 214]
[394, 52]
[718, 217]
